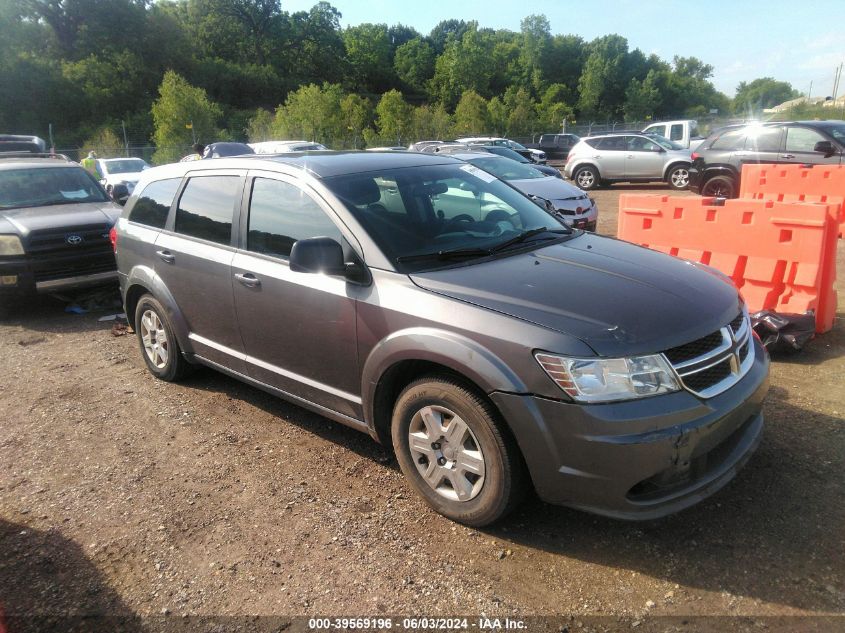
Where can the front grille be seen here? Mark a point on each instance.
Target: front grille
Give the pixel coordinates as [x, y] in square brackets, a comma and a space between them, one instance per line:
[709, 377]
[59, 268]
[697, 348]
[55, 240]
[712, 364]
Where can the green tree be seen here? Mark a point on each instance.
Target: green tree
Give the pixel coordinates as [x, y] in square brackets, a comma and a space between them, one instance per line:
[414, 64]
[430, 123]
[764, 92]
[536, 37]
[393, 116]
[313, 112]
[260, 126]
[370, 56]
[497, 116]
[356, 113]
[181, 105]
[445, 29]
[466, 64]
[105, 143]
[522, 112]
[642, 98]
[605, 77]
[553, 109]
[471, 114]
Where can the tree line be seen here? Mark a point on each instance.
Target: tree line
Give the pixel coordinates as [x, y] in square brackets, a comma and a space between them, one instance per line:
[248, 69]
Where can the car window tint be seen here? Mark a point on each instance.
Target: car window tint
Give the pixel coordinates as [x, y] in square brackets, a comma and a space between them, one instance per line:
[730, 140]
[206, 206]
[153, 204]
[280, 214]
[640, 144]
[764, 139]
[801, 139]
[676, 133]
[657, 129]
[614, 143]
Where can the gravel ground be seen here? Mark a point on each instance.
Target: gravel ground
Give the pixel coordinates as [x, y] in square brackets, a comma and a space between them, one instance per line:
[122, 495]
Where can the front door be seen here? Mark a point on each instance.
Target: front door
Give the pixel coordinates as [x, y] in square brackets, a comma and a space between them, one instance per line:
[800, 142]
[644, 159]
[298, 329]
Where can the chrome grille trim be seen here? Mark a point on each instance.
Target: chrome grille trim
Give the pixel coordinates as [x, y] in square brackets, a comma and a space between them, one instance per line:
[731, 349]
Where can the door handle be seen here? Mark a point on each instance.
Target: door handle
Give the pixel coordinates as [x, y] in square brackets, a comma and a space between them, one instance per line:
[166, 256]
[248, 279]
[789, 155]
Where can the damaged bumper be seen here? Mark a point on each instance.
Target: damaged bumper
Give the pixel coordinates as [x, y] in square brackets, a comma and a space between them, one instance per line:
[641, 459]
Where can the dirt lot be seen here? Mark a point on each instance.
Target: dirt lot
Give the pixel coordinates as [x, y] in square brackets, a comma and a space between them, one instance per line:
[123, 495]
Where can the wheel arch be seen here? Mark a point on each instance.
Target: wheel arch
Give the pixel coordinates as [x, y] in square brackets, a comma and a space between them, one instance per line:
[673, 164]
[143, 280]
[406, 355]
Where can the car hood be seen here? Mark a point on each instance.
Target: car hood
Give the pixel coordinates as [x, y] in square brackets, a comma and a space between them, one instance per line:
[618, 298]
[61, 216]
[549, 187]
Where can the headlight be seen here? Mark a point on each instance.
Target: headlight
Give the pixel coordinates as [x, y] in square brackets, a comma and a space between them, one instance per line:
[10, 245]
[609, 379]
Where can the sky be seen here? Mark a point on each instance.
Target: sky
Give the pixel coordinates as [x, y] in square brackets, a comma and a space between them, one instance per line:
[743, 40]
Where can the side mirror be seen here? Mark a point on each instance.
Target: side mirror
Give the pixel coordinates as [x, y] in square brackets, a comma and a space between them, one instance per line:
[317, 255]
[120, 193]
[825, 147]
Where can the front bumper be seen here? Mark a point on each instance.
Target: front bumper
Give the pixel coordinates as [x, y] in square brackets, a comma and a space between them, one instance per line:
[42, 275]
[641, 459]
[694, 180]
[576, 214]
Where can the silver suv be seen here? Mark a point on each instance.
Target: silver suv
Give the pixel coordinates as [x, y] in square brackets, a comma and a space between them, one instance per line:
[633, 157]
[493, 349]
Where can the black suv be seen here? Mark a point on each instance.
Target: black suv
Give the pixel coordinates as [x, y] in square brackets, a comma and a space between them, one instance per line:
[55, 220]
[557, 146]
[717, 163]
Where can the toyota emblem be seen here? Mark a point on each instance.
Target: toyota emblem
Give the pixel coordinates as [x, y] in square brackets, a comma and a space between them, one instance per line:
[73, 239]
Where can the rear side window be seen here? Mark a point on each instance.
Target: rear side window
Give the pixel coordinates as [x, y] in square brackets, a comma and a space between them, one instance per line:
[206, 206]
[766, 139]
[153, 204]
[280, 214]
[730, 140]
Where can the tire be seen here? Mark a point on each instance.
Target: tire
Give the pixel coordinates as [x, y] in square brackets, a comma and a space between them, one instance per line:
[719, 187]
[586, 178]
[159, 347]
[678, 177]
[451, 426]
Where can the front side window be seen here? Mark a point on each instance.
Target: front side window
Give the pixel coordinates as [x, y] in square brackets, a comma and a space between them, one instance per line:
[153, 204]
[657, 129]
[431, 216]
[640, 144]
[802, 139]
[280, 214]
[46, 186]
[730, 140]
[677, 132]
[206, 207]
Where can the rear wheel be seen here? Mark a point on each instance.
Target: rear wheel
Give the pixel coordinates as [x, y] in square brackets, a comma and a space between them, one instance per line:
[158, 342]
[586, 177]
[678, 177]
[719, 187]
[454, 452]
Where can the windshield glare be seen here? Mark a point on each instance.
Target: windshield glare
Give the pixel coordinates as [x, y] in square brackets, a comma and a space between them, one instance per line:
[127, 166]
[43, 186]
[417, 211]
[506, 169]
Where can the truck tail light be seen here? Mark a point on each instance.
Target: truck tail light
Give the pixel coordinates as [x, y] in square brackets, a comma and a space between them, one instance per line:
[694, 155]
[113, 238]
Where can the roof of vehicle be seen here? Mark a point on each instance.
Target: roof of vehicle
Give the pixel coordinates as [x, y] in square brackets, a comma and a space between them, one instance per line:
[112, 160]
[33, 162]
[323, 164]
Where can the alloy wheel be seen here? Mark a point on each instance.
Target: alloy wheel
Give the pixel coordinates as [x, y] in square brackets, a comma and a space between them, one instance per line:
[154, 338]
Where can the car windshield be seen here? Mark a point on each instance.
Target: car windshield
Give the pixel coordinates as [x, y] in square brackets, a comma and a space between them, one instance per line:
[837, 132]
[43, 186]
[515, 145]
[504, 151]
[506, 169]
[125, 166]
[438, 215]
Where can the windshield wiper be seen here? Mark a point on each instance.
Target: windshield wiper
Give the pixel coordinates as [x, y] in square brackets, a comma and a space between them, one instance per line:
[458, 253]
[528, 234]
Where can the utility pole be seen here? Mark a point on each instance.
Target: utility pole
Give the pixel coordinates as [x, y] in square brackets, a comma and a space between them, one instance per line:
[125, 142]
[836, 75]
[810, 91]
[52, 145]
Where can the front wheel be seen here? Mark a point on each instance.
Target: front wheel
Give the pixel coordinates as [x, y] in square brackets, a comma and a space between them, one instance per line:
[719, 187]
[454, 452]
[678, 177]
[586, 178]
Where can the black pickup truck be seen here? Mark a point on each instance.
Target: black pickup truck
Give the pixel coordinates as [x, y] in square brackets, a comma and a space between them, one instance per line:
[556, 146]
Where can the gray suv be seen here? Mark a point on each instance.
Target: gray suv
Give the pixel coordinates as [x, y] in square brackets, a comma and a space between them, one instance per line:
[492, 352]
[717, 162]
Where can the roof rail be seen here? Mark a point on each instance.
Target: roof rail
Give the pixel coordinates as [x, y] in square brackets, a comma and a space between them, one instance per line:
[34, 155]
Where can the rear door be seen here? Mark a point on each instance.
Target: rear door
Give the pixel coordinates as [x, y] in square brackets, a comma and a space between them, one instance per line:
[799, 145]
[193, 257]
[763, 144]
[298, 329]
[610, 156]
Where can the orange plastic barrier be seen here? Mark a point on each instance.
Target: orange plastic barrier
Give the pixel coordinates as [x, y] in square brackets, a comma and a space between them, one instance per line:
[797, 183]
[781, 255]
